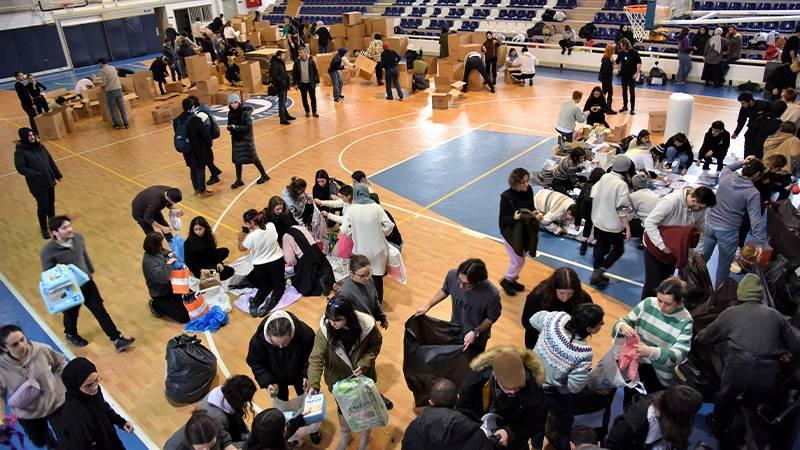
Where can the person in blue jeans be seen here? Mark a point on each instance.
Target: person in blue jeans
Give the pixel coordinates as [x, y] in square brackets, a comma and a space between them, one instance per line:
[389, 60]
[737, 196]
[337, 64]
[679, 149]
[113, 89]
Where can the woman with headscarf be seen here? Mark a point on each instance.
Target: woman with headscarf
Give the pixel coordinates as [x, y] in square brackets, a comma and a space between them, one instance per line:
[367, 223]
[87, 419]
[700, 40]
[33, 161]
[243, 145]
[715, 49]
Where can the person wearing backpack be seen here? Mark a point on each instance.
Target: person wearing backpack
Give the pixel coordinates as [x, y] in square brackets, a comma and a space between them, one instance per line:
[203, 111]
[193, 140]
[240, 126]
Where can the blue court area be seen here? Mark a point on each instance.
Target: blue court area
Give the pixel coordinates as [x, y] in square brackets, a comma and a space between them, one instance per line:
[68, 78]
[12, 311]
[477, 206]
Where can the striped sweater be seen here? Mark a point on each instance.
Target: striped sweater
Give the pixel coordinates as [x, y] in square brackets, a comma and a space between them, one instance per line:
[567, 360]
[669, 334]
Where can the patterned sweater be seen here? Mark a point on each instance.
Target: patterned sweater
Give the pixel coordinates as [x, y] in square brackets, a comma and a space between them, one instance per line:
[669, 334]
[567, 360]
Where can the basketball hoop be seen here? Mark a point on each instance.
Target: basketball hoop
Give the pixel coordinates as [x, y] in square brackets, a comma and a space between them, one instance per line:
[636, 16]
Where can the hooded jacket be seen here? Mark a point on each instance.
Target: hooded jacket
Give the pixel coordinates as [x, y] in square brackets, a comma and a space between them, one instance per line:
[277, 73]
[46, 365]
[446, 429]
[34, 162]
[737, 196]
[717, 144]
[337, 63]
[240, 126]
[524, 414]
[672, 210]
[285, 366]
[785, 144]
[326, 357]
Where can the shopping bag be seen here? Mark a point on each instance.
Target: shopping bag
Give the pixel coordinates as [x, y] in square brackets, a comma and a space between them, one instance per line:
[176, 245]
[216, 296]
[180, 281]
[175, 219]
[211, 321]
[295, 406]
[80, 276]
[361, 403]
[394, 265]
[344, 246]
[195, 305]
[607, 375]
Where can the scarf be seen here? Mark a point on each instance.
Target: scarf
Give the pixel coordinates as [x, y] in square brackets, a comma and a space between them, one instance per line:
[361, 195]
[716, 41]
[87, 419]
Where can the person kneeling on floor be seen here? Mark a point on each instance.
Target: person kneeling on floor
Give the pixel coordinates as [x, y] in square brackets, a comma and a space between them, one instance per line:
[526, 64]
[558, 209]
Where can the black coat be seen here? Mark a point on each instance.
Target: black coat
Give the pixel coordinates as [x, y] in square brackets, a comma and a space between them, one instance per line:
[243, 145]
[780, 78]
[37, 166]
[278, 75]
[23, 94]
[686, 148]
[446, 429]
[323, 36]
[630, 429]
[199, 255]
[159, 70]
[313, 72]
[313, 274]
[534, 303]
[288, 365]
[596, 116]
[606, 74]
[200, 139]
[699, 43]
[37, 90]
[719, 144]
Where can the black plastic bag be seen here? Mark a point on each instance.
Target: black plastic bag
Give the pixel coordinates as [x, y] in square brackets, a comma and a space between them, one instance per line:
[432, 350]
[191, 368]
[698, 280]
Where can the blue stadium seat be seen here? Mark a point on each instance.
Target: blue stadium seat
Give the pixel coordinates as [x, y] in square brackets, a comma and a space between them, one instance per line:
[787, 27]
[750, 6]
[719, 6]
[735, 6]
[765, 6]
[755, 26]
[769, 26]
[707, 6]
[599, 18]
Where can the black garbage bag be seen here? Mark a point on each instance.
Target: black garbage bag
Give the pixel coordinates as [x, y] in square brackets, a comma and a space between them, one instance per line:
[432, 349]
[698, 280]
[191, 368]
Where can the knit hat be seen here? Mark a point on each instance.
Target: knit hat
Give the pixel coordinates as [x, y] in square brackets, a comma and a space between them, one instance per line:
[508, 370]
[233, 98]
[749, 289]
[621, 164]
[640, 181]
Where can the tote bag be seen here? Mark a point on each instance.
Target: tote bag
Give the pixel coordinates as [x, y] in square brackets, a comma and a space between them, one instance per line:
[607, 374]
[180, 281]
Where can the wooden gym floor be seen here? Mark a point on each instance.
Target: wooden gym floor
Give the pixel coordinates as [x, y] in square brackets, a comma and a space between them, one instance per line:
[104, 168]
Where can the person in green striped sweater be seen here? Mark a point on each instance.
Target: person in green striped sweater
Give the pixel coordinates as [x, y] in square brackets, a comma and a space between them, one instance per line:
[664, 327]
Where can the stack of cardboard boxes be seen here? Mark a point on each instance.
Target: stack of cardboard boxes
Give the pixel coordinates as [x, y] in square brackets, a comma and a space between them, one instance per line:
[205, 90]
[250, 73]
[339, 35]
[355, 31]
[198, 67]
[293, 8]
[461, 44]
[267, 34]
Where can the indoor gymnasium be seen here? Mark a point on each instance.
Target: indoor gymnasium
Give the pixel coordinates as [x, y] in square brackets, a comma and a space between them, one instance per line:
[400, 224]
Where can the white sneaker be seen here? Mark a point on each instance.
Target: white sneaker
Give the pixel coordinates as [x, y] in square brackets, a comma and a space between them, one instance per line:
[736, 268]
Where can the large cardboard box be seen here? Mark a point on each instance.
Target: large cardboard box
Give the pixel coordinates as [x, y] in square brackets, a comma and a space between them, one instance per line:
[51, 125]
[461, 52]
[403, 76]
[126, 101]
[198, 69]
[143, 84]
[398, 44]
[475, 81]
[269, 34]
[127, 84]
[451, 69]
[314, 45]
[366, 41]
[433, 63]
[354, 44]
[383, 26]
[210, 85]
[250, 73]
[293, 8]
[456, 40]
[366, 67]
[323, 62]
[221, 97]
[339, 43]
[352, 18]
[368, 25]
[338, 30]
[255, 39]
[657, 123]
[174, 86]
[68, 115]
[161, 115]
[502, 52]
[440, 100]
[619, 133]
[356, 31]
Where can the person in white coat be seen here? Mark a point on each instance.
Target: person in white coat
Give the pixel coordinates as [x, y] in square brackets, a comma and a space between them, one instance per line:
[368, 224]
[527, 67]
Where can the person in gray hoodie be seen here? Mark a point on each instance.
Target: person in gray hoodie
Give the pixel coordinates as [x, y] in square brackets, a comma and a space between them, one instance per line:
[736, 197]
[21, 359]
[157, 269]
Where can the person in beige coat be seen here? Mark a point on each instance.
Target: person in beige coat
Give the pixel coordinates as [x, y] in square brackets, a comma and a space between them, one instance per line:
[558, 210]
[786, 143]
[20, 361]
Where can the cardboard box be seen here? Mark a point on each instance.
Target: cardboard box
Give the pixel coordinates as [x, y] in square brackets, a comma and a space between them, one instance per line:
[339, 43]
[293, 8]
[461, 52]
[502, 52]
[161, 115]
[338, 30]
[474, 81]
[143, 84]
[197, 67]
[356, 31]
[51, 125]
[209, 86]
[126, 101]
[403, 77]
[255, 39]
[440, 100]
[269, 34]
[127, 84]
[657, 123]
[173, 86]
[354, 44]
[368, 25]
[398, 44]
[323, 62]
[221, 97]
[383, 26]
[314, 45]
[433, 64]
[366, 41]
[352, 18]
[619, 133]
[452, 70]
[366, 67]
[250, 73]
[456, 40]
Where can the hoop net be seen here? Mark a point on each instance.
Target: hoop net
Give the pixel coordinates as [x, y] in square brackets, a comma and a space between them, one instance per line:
[636, 16]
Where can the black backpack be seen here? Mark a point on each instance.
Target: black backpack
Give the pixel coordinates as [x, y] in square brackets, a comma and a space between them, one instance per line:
[548, 15]
[536, 30]
[181, 140]
[587, 31]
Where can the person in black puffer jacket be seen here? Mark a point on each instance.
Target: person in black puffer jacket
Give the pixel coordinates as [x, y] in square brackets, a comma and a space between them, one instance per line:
[33, 161]
[243, 145]
[280, 79]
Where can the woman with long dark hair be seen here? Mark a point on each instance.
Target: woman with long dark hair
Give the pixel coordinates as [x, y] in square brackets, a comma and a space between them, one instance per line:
[33, 161]
[157, 269]
[700, 40]
[606, 75]
[261, 239]
[271, 430]
[567, 358]
[243, 144]
[344, 331]
[562, 291]
[597, 107]
[325, 186]
[87, 420]
[665, 418]
[202, 255]
[200, 432]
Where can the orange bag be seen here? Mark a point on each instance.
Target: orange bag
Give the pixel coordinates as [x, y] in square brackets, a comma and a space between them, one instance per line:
[195, 305]
[180, 281]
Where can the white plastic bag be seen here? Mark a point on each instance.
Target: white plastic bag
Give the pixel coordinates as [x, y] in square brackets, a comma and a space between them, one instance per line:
[175, 219]
[291, 409]
[216, 296]
[361, 403]
[394, 265]
[606, 375]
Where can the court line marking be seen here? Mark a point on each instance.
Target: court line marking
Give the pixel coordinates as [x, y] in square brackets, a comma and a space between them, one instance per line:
[480, 177]
[138, 430]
